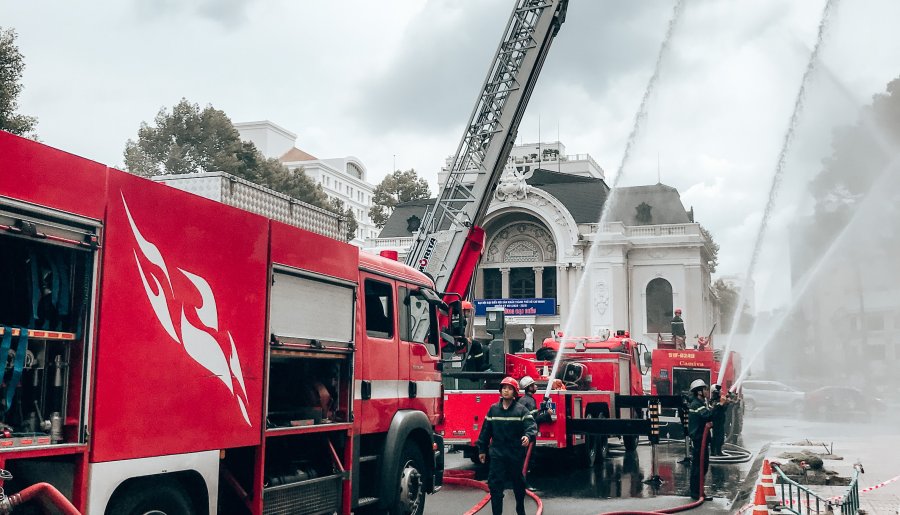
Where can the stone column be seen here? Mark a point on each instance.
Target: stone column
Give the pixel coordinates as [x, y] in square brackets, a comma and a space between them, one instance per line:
[504, 275]
[479, 283]
[562, 290]
[538, 281]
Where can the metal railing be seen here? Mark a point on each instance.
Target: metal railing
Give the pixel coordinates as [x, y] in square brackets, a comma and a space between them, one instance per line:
[797, 498]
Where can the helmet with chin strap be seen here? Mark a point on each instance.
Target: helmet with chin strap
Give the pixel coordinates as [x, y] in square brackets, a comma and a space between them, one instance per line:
[508, 381]
[697, 384]
[526, 382]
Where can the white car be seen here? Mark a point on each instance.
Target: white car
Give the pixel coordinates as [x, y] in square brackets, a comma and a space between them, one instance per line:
[771, 395]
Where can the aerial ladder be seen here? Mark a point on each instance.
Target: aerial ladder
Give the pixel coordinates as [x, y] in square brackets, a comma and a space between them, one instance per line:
[450, 241]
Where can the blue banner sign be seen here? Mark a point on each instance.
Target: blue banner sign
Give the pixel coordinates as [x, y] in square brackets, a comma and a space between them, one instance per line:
[517, 307]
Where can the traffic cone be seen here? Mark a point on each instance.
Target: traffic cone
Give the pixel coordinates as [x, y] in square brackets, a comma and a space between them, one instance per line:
[768, 484]
[759, 503]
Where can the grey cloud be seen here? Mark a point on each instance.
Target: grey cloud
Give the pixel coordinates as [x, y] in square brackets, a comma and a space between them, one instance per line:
[228, 13]
[435, 77]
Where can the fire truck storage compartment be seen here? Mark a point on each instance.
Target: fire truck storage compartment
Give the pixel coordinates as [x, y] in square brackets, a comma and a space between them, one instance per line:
[309, 391]
[46, 277]
[311, 350]
[683, 377]
[302, 476]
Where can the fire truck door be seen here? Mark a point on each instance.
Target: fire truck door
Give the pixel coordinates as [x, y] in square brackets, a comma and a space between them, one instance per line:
[624, 384]
[380, 380]
[419, 347]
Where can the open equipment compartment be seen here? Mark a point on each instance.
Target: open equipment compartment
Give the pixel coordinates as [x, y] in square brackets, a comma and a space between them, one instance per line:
[47, 262]
[309, 393]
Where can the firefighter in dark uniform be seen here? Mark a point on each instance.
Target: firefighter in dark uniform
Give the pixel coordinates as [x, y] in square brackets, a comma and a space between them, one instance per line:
[700, 411]
[508, 430]
[718, 420]
[678, 334]
[540, 415]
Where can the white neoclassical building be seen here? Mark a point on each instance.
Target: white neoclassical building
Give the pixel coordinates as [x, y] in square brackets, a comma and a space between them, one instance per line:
[549, 258]
[340, 177]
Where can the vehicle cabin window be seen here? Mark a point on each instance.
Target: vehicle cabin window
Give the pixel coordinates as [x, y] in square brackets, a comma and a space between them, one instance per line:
[416, 319]
[379, 299]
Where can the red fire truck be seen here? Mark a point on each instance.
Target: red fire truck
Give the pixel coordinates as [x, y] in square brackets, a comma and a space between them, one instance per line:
[597, 394]
[171, 353]
[674, 367]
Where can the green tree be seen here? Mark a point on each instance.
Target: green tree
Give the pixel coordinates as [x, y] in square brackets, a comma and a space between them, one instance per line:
[396, 188]
[351, 225]
[12, 64]
[190, 139]
[712, 249]
[728, 297]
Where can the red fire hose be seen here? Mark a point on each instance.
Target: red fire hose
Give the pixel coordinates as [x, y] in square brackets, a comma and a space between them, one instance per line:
[684, 507]
[44, 492]
[472, 483]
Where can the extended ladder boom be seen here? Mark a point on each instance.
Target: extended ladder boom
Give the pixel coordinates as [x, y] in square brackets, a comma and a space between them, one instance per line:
[449, 241]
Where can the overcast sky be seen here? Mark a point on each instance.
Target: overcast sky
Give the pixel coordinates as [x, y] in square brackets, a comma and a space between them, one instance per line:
[397, 79]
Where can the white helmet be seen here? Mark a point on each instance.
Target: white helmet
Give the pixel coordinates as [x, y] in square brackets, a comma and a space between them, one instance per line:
[697, 383]
[526, 381]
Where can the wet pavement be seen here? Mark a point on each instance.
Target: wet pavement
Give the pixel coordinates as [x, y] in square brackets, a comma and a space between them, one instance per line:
[618, 483]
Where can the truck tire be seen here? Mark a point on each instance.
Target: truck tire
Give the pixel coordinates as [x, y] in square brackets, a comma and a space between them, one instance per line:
[162, 497]
[630, 442]
[597, 446]
[410, 482]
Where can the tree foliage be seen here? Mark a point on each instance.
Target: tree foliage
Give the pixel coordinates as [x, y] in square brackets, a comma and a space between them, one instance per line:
[396, 188]
[190, 139]
[351, 225]
[12, 64]
[728, 297]
[713, 249]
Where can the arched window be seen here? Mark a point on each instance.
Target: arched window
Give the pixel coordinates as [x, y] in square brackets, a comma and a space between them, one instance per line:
[659, 306]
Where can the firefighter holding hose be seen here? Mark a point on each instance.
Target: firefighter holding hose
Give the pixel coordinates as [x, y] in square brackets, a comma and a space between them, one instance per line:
[700, 411]
[508, 430]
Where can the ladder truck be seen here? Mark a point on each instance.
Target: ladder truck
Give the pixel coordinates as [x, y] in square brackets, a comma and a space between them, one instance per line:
[450, 241]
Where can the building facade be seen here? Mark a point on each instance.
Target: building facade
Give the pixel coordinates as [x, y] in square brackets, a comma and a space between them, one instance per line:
[344, 178]
[555, 267]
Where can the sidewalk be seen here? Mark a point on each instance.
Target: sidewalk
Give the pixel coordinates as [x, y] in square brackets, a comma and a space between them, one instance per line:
[880, 458]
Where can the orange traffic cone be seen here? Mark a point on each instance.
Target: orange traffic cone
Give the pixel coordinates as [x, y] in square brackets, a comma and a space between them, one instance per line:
[759, 503]
[768, 484]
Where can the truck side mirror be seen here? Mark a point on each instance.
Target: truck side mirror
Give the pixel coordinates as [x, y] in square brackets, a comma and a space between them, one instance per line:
[648, 359]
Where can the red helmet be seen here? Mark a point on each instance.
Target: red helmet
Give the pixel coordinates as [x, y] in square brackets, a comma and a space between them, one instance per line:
[677, 310]
[511, 382]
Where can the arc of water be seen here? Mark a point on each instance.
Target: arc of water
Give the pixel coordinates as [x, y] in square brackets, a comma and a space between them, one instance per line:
[777, 177]
[639, 118]
[866, 207]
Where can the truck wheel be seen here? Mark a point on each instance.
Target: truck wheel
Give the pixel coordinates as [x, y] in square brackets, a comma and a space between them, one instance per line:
[597, 446]
[410, 483]
[631, 442]
[152, 498]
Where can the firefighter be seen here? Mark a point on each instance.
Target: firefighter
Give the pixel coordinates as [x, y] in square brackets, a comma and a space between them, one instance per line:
[678, 334]
[700, 411]
[508, 430]
[540, 415]
[718, 420]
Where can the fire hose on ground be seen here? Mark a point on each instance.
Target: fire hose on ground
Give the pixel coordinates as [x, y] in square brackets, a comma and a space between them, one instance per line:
[734, 454]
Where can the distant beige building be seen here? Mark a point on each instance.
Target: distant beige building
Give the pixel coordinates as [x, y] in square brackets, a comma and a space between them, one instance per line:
[342, 177]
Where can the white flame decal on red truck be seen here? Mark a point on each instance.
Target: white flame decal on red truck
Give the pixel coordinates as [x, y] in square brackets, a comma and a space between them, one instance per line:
[199, 342]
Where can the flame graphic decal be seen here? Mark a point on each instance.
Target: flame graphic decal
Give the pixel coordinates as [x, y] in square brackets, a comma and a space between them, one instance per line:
[199, 343]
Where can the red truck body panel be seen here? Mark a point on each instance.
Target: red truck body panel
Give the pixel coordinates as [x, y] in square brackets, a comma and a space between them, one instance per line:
[182, 324]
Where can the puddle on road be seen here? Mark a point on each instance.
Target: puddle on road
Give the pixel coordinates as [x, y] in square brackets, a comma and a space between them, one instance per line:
[623, 476]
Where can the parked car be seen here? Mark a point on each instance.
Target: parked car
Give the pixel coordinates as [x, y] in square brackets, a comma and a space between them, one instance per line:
[841, 402]
[771, 395]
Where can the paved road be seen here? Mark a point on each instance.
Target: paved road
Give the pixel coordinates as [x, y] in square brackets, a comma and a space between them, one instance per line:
[618, 483]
